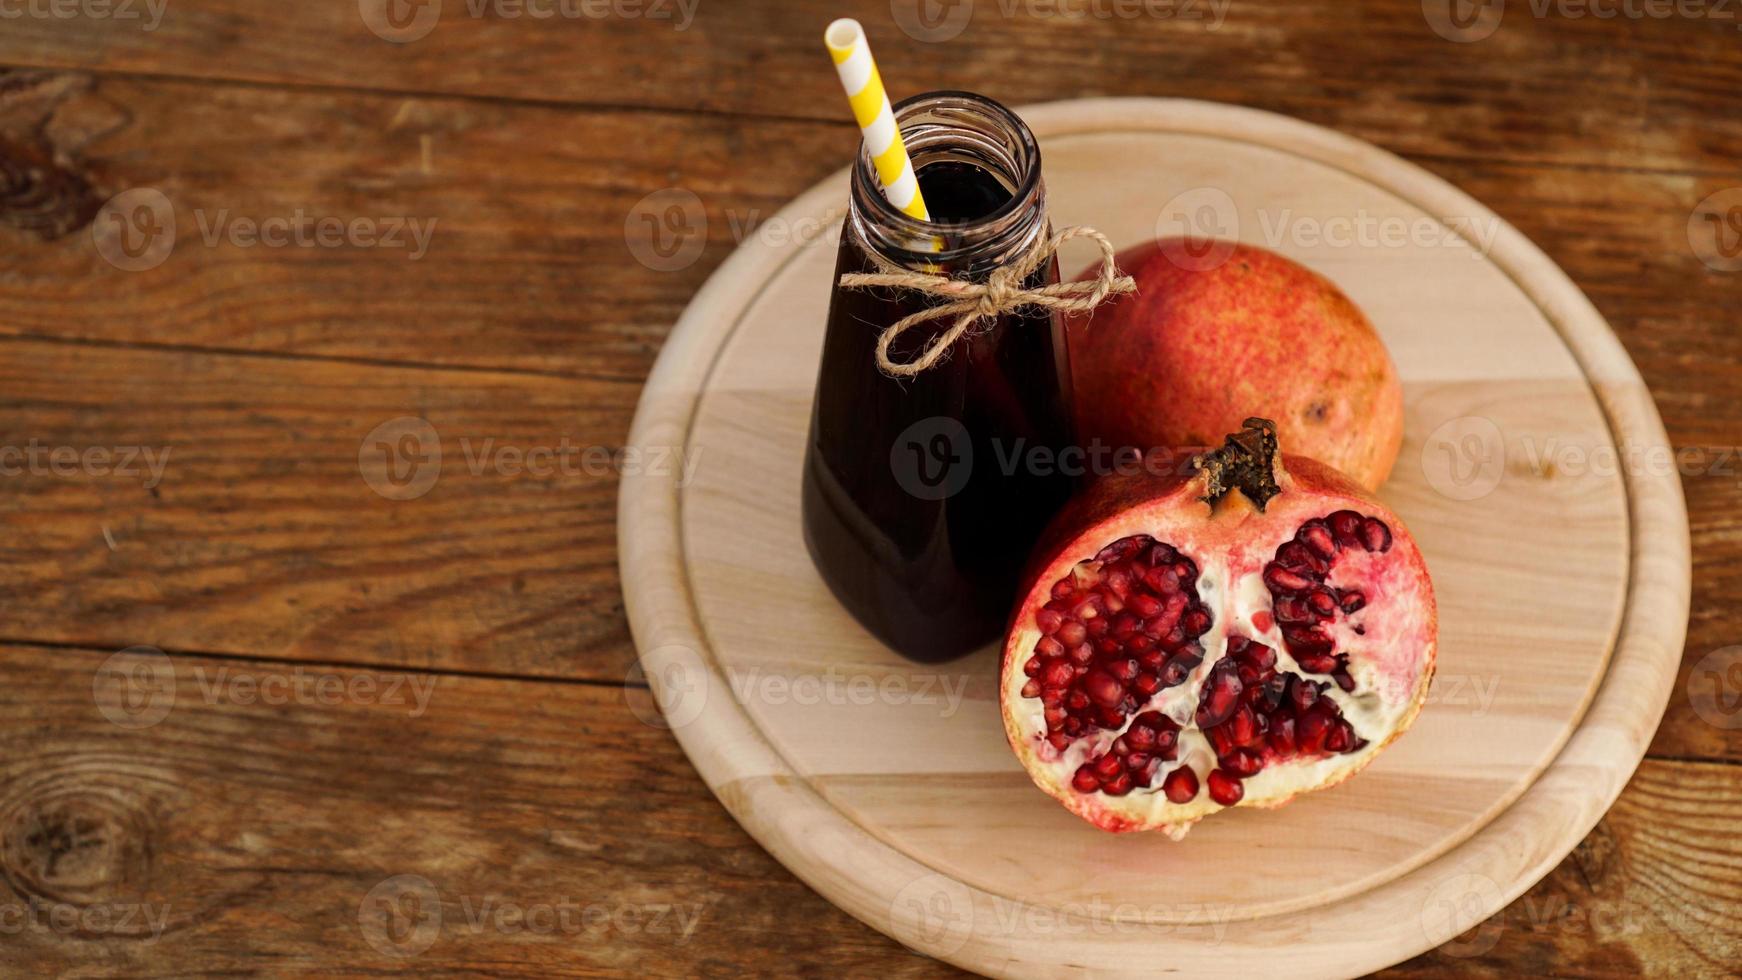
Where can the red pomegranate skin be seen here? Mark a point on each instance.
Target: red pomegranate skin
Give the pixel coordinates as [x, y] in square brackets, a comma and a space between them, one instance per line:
[1192, 353]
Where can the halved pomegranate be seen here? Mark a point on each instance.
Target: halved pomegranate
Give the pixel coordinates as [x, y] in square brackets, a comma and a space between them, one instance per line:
[1232, 634]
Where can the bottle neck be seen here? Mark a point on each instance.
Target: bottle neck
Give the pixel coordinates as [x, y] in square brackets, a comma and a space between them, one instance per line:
[942, 129]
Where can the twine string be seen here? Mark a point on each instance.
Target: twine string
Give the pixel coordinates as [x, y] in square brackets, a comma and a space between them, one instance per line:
[972, 302]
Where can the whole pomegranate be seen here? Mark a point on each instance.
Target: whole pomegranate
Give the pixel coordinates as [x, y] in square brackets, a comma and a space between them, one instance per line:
[1195, 350]
[1230, 632]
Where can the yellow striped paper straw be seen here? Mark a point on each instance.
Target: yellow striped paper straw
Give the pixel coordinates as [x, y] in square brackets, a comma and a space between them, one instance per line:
[847, 45]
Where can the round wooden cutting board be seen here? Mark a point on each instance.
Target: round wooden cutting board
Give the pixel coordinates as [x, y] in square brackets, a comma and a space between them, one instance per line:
[1535, 475]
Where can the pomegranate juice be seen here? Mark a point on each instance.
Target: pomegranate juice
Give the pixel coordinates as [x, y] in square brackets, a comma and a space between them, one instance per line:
[921, 497]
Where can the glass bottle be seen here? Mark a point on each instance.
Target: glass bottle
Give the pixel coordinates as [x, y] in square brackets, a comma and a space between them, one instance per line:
[923, 495]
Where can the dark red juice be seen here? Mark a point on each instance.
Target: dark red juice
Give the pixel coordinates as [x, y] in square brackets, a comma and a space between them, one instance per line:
[921, 500]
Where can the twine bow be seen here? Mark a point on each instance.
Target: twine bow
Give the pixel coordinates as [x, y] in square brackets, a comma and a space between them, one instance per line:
[971, 302]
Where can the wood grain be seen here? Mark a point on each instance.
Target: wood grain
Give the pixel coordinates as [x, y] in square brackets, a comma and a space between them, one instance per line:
[255, 832]
[264, 536]
[1594, 137]
[1624, 93]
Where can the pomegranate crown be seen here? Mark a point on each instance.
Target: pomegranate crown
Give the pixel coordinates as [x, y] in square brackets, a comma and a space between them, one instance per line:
[1246, 462]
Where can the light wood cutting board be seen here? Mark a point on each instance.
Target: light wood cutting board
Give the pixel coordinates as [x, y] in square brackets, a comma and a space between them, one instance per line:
[1535, 475]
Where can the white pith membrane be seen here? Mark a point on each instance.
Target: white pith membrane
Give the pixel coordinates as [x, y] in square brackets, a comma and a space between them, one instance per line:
[1388, 644]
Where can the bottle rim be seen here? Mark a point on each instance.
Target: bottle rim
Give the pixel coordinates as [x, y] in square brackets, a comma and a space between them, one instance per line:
[894, 225]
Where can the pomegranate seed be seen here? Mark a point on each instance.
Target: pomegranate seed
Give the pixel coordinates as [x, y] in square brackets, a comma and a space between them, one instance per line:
[1243, 727]
[1125, 624]
[1161, 581]
[1339, 738]
[1237, 645]
[1375, 536]
[1322, 602]
[1195, 622]
[1118, 786]
[1064, 588]
[1260, 656]
[1059, 740]
[1052, 697]
[1147, 684]
[1103, 688]
[1300, 558]
[1225, 789]
[1080, 654]
[1089, 608]
[1221, 695]
[1303, 694]
[1055, 718]
[1071, 633]
[1166, 741]
[1318, 537]
[1085, 781]
[1106, 765]
[1033, 666]
[1181, 785]
[1281, 737]
[1316, 663]
[1162, 554]
[1077, 701]
[1290, 609]
[1049, 647]
[1048, 620]
[1344, 681]
[1353, 602]
[1119, 582]
[1125, 670]
[1262, 622]
[1311, 730]
[1031, 689]
[1243, 763]
[1308, 641]
[1145, 605]
[1057, 674]
[1141, 738]
[1280, 579]
[1346, 525]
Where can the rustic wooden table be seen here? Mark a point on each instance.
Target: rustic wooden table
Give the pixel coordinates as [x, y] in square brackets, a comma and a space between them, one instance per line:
[285, 696]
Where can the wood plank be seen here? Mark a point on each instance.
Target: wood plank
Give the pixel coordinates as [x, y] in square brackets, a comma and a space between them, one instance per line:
[529, 266]
[254, 833]
[529, 795]
[1567, 87]
[264, 536]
